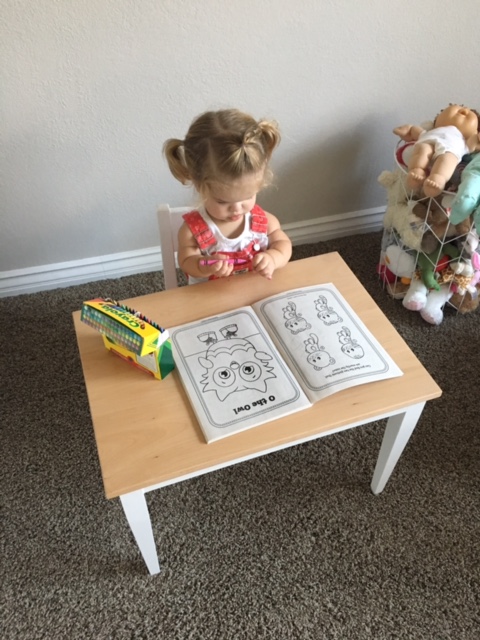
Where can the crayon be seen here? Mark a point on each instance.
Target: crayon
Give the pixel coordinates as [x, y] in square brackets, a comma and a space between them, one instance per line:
[207, 263]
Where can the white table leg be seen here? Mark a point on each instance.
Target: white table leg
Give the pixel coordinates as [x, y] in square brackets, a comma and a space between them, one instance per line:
[136, 510]
[397, 433]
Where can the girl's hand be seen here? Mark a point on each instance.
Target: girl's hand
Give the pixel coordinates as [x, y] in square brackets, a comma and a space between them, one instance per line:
[220, 267]
[264, 264]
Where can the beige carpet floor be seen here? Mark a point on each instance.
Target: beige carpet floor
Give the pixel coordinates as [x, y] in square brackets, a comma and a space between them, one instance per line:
[289, 546]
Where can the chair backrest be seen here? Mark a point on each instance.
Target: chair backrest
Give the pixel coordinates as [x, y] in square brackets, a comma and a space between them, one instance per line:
[169, 222]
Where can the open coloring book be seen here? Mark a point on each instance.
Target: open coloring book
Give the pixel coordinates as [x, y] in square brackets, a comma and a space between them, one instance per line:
[252, 365]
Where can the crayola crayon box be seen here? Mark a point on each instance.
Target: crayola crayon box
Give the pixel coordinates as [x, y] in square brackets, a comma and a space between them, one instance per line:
[131, 335]
[158, 362]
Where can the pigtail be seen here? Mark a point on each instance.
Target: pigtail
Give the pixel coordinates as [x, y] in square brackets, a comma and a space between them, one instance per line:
[252, 150]
[174, 151]
[270, 135]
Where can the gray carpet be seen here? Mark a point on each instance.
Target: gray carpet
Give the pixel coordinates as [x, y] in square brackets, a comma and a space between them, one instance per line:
[290, 546]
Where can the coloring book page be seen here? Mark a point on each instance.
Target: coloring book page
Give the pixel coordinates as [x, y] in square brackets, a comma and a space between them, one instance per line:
[233, 374]
[323, 341]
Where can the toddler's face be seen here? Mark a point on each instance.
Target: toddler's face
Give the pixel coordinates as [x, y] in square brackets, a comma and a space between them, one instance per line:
[231, 201]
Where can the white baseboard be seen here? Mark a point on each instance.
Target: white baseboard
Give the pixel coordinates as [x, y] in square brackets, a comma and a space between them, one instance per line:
[337, 226]
[65, 274]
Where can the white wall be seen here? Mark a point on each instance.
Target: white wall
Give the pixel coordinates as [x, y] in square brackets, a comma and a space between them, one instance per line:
[92, 88]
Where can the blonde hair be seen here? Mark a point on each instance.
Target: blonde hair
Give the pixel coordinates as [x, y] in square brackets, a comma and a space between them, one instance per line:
[221, 146]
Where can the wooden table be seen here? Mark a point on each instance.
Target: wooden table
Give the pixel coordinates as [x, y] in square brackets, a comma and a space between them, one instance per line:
[147, 434]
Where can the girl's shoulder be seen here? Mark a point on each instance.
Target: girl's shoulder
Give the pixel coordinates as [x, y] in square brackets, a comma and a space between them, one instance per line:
[272, 221]
[262, 221]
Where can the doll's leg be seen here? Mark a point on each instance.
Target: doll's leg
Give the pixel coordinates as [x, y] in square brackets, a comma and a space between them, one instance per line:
[418, 163]
[442, 171]
[416, 297]
[433, 310]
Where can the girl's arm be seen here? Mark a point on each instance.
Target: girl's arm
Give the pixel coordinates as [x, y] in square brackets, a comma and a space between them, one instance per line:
[279, 250]
[189, 257]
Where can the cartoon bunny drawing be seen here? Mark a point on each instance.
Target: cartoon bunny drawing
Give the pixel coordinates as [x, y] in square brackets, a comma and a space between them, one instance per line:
[350, 347]
[294, 321]
[317, 356]
[326, 314]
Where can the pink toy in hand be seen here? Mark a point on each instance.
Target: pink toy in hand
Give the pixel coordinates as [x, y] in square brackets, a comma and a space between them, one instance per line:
[455, 133]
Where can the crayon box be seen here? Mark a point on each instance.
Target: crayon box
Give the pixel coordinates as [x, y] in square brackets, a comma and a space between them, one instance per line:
[130, 335]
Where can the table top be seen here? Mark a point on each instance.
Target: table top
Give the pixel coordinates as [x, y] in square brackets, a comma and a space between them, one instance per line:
[145, 429]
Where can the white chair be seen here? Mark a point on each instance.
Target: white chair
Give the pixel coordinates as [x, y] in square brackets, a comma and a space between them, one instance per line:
[169, 222]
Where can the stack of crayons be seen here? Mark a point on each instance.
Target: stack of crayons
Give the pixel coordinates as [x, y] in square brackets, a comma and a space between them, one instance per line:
[126, 327]
[140, 316]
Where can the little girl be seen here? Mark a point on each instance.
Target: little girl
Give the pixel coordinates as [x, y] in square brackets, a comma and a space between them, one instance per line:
[225, 157]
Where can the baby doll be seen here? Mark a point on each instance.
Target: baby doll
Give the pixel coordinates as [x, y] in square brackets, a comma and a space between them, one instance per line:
[455, 133]
[467, 200]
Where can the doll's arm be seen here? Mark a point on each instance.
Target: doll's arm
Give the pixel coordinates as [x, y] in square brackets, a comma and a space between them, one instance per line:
[408, 132]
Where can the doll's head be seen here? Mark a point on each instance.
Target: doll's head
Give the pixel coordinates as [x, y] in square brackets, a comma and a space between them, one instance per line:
[466, 120]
